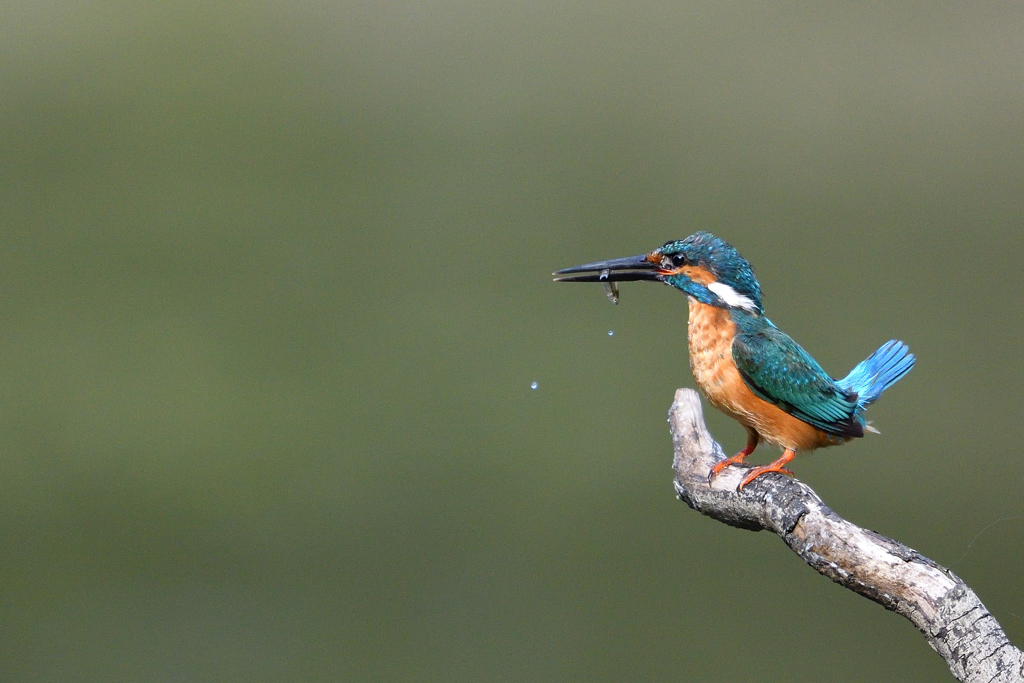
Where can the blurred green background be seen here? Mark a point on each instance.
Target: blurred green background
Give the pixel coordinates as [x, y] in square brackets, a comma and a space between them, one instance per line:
[276, 282]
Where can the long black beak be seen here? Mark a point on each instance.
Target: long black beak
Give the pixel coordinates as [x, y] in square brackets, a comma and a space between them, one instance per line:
[627, 269]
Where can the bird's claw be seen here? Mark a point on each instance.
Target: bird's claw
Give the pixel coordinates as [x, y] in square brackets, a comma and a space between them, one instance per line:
[722, 464]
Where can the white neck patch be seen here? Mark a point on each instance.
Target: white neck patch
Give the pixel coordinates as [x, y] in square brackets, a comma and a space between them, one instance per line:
[731, 297]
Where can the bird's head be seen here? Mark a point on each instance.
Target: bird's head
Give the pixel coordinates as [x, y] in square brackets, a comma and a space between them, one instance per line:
[708, 269]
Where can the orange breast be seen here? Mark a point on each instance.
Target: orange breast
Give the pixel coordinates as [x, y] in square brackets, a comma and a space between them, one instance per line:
[710, 333]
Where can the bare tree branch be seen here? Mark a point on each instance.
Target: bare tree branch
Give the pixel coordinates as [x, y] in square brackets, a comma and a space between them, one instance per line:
[938, 602]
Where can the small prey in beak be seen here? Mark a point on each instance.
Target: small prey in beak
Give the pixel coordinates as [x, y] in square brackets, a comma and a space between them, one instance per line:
[611, 288]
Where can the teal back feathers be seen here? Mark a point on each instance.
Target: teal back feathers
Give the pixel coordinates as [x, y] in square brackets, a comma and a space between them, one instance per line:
[778, 370]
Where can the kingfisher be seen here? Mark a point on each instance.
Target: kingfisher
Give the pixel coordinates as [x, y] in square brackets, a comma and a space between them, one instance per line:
[744, 365]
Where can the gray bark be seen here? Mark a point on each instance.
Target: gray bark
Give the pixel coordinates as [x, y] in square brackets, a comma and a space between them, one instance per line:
[939, 603]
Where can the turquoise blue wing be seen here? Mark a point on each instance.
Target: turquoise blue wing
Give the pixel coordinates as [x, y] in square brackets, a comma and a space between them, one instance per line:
[779, 371]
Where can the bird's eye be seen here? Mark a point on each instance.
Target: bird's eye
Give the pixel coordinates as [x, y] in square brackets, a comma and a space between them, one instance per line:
[673, 261]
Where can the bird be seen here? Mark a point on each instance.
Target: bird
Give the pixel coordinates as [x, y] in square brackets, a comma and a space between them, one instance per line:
[743, 364]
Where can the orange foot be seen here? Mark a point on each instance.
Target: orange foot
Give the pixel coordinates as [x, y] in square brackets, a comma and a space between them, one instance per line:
[722, 464]
[776, 466]
[752, 439]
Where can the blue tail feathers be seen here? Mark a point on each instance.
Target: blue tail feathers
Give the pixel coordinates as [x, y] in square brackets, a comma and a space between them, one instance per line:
[878, 372]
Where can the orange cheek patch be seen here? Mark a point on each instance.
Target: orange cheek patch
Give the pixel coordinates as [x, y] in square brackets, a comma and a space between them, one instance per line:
[701, 276]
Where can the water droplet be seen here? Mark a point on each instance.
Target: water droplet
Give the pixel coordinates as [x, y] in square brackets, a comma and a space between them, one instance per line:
[533, 385]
